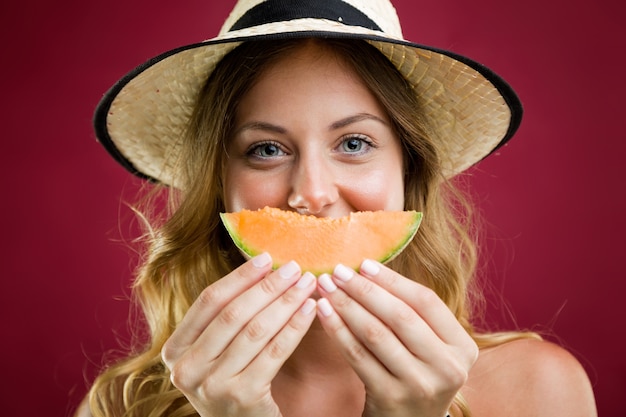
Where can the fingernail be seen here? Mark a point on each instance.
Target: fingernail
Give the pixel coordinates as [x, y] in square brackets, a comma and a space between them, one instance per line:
[262, 260]
[305, 280]
[326, 283]
[324, 306]
[288, 270]
[308, 306]
[343, 272]
[370, 267]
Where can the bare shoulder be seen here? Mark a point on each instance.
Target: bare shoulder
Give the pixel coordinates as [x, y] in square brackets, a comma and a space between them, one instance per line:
[529, 377]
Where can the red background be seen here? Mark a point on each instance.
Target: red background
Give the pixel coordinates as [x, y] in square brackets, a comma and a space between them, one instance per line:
[554, 197]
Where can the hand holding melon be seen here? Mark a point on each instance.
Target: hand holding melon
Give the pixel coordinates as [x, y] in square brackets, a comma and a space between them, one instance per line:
[402, 340]
[408, 339]
[232, 342]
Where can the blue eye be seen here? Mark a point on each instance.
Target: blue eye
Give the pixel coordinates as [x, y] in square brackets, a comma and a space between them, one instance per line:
[355, 144]
[266, 150]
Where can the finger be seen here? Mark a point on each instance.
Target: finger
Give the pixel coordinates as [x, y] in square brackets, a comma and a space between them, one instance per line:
[210, 302]
[265, 327]
[230, 321]
[364, 363]
[381, 360]
[405, 323]
[274, 355]
[377, 336]
[420, 298]
[424, 358]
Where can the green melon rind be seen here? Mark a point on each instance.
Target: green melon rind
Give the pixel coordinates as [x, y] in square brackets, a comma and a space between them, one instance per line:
[417, 220]
[250, 252]
[234, 236]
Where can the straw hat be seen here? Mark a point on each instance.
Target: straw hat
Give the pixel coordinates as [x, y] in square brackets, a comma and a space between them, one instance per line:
[141, 118]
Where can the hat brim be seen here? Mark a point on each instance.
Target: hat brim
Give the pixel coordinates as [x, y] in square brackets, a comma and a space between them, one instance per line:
[141, 119]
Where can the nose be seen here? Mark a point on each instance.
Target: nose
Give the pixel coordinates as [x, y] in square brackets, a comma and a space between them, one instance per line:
[313, 187]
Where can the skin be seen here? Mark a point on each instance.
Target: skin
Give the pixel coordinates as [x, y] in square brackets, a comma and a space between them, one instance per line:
[310, 137]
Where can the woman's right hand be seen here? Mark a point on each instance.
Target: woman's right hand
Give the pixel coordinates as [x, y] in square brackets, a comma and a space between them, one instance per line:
[237, 335]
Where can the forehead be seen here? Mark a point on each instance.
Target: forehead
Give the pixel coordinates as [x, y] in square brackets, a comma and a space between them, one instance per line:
[309, 55]
[312, 74]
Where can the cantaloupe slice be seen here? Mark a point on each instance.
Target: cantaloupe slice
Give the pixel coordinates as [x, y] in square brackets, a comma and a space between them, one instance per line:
[318, 244]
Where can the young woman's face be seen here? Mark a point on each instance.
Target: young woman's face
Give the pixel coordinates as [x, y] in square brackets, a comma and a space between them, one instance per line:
[309, 136]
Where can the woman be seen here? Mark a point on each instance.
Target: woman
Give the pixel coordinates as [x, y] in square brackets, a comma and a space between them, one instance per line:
[319, 121]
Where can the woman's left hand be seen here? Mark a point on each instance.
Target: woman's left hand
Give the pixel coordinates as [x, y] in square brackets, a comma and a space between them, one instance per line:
[405, 344]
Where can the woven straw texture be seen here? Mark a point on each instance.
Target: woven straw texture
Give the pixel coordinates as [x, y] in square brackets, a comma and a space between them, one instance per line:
[148, 112]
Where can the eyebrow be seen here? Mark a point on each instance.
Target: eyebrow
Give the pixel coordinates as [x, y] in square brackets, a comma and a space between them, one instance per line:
[270, 127]
[354, 119]
[262, 126]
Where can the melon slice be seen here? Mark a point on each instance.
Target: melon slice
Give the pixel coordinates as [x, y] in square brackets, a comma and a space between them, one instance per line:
[318, 244]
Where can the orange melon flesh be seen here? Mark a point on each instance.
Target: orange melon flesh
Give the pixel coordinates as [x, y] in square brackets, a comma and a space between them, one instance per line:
[319, 244]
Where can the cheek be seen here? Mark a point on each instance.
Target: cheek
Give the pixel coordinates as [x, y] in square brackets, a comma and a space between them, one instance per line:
[253, 191]
[377, 190]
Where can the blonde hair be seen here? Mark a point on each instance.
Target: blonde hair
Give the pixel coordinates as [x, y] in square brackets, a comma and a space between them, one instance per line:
[188, 249]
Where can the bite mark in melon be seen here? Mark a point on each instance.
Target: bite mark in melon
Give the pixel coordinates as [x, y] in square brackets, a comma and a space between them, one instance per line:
[318, 244]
